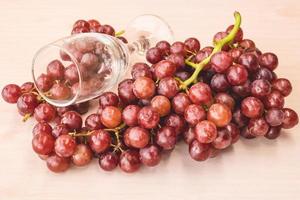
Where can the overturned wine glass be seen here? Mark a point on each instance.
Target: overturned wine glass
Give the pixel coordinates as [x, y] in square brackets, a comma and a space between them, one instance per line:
[81, 67]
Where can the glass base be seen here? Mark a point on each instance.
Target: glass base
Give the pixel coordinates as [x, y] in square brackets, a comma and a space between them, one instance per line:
[145, 31]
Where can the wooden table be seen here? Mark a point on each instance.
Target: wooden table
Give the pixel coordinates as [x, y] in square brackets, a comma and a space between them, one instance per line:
[256, 169]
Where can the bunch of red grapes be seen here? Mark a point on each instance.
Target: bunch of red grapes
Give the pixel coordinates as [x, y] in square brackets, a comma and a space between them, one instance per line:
[237, 93]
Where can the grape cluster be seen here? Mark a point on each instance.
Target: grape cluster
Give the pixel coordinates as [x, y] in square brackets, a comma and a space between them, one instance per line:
[208, 97]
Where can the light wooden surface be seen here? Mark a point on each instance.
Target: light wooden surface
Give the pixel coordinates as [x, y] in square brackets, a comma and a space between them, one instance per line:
[256, 169]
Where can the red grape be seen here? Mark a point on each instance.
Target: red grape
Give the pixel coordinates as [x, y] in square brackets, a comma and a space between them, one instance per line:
[194, 114]
[43, 143]
[199, 151]
[130, 161]
[205, 131]
[11, 93]
[65, 146]
[111, 117]
[57, 164]
[72, 120]
[44, 112]
[99, 140]
[108, 161]
[290, 118]
[82, 155]
[166, 137]
[148, 117]
[143, 88]
[161, 104]
[136, 137]
[219, 114]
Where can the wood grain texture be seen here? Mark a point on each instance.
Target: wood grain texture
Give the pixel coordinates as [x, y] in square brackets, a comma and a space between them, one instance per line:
[256, 169]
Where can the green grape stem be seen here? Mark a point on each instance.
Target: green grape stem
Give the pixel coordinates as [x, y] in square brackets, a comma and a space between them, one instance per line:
[217, 47]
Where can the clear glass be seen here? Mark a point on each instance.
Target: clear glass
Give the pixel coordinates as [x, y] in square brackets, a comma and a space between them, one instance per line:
[81, 67]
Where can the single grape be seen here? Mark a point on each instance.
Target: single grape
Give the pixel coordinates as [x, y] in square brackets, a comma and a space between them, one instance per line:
[219, 114]
[221, 61]
[44, 112]
[82, 156]
[258, 127]
[108, 161]
[65, 146]
[175, 121]
[164, 47]
[111, 116]
[225, 99]
[150, 155]
[43, 143]
[249, 61]
[192, 45]
[141, 69]
[252, 107]
[268, 60]
[161, 104]
[11, 93]
[290, 118]
[199, 151]
[28, 87]
[130, 161]
[178, 47]
[60, 91]
[99, 140]
[260, 88]
[125, 91]
[273, 133]
[72, 120]
[44, 82]
[71, 74]
[168, 87]
[93, 122]
[237, 75]
[200, 93]
[57, 164]
[164, 69]
[193, 114]
[42, 127]
[274, 117]
[27, 103]
[283, 85]
[148, 117]
[108, 99]
[59, 130]
[223, 139]
[130, 115]
[219, 83]
[136, 137]
[274, 100]
[166, 137]
[154, 55]
[56, 70]
[180, 102]
[205, 131]
[143, 88]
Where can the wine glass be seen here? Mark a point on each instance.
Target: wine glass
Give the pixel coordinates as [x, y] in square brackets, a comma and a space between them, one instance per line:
[81, 67]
